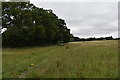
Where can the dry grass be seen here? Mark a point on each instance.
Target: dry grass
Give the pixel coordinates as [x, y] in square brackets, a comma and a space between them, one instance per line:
[80, 60]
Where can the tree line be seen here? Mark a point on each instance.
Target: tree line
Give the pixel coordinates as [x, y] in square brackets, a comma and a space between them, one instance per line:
[93, 38]
[28, 25]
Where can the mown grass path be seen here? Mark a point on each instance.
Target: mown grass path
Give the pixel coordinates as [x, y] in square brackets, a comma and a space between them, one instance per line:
[51, 52]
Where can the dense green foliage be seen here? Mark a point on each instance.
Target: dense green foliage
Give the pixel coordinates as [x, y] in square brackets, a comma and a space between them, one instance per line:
[93, 38]
[28, 25]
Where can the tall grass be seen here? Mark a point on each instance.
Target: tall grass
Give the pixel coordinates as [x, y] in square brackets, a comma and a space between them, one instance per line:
[78, 60]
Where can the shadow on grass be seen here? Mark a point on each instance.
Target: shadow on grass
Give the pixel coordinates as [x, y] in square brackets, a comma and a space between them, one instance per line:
[44, 44]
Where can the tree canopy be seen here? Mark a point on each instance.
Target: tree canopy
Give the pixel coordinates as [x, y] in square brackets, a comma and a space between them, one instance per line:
[28, 25]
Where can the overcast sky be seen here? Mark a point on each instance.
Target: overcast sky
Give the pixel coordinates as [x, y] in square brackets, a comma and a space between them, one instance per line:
[86, 19]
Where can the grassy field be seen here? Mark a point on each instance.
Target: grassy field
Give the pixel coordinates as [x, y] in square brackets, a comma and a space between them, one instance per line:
[94, 59]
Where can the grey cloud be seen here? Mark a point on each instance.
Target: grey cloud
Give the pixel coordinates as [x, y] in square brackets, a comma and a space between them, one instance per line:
[86, 18]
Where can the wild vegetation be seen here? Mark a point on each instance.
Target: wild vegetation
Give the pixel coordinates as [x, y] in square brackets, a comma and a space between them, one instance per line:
[90, 59]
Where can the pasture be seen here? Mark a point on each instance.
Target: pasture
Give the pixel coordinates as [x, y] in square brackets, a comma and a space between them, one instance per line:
[90, 59]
